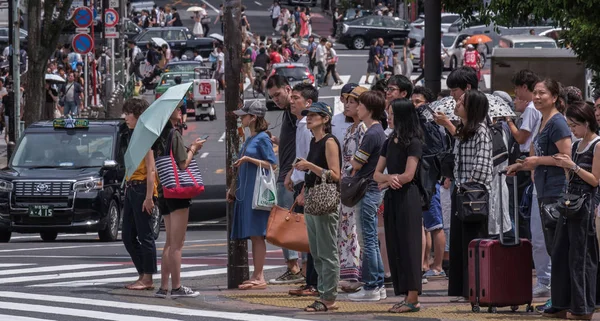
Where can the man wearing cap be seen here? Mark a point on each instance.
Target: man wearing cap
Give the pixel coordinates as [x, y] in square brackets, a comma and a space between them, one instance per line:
[339, 122]
[280, 91]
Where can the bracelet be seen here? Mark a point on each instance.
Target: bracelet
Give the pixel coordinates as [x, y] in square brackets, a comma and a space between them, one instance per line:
[577, 169]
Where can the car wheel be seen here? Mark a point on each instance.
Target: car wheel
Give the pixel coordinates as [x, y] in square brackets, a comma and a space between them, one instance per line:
[212, 117]
[5, 236]
[48, 236]
[198, 118]
[358, 43]
[156, 221]
[453, 63]
[111, 232]
[189, 54]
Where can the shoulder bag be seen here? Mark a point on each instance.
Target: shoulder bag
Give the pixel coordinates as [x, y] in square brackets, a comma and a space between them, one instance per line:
[287, 229]
[323, 198]
[472, 199]
[177, 183]
[353, 189]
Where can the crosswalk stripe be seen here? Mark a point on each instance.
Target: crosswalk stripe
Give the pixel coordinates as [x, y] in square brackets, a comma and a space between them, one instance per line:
[19, 318]
[95, 282]
[5, 265]
[246, 83]
[48, 277]
[487, 79]
[91, 314]
[362, 83]
[142, 307]
[344, 79]
[338, 107]
[54, 268]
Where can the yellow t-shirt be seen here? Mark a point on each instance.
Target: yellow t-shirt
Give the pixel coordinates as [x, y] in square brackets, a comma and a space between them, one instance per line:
[140, 175]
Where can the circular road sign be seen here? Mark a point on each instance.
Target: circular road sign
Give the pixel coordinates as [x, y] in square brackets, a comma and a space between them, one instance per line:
[82, 43]
[83, 17]
[111, 17]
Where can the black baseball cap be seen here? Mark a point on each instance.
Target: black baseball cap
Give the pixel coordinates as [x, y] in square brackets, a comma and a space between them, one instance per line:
[348, 88]
[319, 107]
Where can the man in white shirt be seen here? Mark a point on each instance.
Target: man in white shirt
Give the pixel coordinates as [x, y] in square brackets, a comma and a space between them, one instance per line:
[303, 95]
[523, 133]
[321, 58]
[275, 12]
[220, 73]
[339, 123]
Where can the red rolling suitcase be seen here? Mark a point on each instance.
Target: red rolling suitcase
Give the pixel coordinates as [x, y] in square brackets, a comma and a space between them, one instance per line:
[500, 273]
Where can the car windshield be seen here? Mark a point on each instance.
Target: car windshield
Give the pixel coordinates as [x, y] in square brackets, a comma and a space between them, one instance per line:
[448, 41]
[64, 148]
[169, 79]
[182, 66]
[536, 44]
[450, 18]
[296, 73]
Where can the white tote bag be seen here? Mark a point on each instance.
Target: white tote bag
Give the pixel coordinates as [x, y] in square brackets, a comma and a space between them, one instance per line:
[265, 193]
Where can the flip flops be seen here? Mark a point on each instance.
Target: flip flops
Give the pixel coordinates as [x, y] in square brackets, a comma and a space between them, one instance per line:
[319, 306]
[139, 286]
[405, 307]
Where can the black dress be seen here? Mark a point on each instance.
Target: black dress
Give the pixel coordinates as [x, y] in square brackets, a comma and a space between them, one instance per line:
[403, 219]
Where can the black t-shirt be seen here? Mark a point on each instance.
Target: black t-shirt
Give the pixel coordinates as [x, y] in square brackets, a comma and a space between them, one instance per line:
[262, 60]
[372, 54]
[177, 22]
[368, 152]
[396, 154]
[287, 144]
[317, 156]
[49, 98]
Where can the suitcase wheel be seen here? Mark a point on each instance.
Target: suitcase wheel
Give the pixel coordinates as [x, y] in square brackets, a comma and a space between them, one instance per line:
[514, 308]
[475, 308]
[492, 310]
[529, 308]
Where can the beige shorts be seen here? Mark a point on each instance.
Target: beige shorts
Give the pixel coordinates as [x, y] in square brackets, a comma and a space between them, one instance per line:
[247, 68]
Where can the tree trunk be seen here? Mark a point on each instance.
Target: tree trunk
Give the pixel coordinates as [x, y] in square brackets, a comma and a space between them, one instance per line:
[41, 41]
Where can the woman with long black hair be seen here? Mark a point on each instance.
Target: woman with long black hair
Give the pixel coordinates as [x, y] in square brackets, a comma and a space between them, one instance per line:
[472, 163]
[402, 207]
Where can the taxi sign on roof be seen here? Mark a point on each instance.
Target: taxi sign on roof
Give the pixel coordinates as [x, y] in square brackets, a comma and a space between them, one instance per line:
[70, 123]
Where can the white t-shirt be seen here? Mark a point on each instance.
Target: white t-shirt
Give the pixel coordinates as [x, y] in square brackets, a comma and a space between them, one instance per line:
[321, 54]
[199, 58]
[275, 12]
[221, 58]
[303, 138]
[531, 123]
[339, 126]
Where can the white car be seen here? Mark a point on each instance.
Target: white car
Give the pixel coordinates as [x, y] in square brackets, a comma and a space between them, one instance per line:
[447, 20]
[454, 51]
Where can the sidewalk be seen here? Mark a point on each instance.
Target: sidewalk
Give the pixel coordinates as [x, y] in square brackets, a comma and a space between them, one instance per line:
[275, 301]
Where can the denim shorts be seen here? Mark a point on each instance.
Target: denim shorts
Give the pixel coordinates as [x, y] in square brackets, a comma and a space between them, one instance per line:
[432, 218]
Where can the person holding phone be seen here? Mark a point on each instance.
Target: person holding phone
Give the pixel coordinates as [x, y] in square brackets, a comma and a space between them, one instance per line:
[248, 223]
[175, 211]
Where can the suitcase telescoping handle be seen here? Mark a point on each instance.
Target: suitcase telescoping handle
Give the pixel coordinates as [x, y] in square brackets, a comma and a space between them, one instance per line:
[516, 209]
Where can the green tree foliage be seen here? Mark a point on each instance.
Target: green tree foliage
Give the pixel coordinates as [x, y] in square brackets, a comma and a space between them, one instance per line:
[580, 19]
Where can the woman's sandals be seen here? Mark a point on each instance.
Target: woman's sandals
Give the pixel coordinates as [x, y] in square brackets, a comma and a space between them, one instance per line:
[319, 306]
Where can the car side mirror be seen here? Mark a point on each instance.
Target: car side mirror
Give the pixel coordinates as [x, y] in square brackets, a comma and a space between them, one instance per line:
[109, 164]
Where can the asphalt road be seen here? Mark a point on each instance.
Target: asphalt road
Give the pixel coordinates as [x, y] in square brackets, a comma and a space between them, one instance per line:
[77, 278]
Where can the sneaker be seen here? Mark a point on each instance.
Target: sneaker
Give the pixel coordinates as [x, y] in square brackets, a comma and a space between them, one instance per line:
[288, 278]
[543, 307]
[541, 290]
[184, 292]
[161, 293]
[382, 292]
[366, 295]
[424, 280]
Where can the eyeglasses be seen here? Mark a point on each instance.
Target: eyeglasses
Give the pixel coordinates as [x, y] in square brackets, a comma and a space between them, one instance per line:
[389, 89]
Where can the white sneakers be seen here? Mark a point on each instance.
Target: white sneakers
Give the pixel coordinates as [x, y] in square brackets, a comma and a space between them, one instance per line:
[382, 293]
[367, 295]
[541, 291]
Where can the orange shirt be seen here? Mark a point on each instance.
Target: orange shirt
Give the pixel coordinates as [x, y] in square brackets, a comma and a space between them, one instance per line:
[141, 173]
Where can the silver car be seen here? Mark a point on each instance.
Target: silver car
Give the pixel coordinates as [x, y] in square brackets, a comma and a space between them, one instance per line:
[453, 51]
[294, 72]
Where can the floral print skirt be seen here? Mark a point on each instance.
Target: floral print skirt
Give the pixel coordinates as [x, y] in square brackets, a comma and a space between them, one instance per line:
[348, 245]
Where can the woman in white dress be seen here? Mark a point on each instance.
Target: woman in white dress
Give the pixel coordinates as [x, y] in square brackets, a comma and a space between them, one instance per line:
[198, 31]
[407, 65]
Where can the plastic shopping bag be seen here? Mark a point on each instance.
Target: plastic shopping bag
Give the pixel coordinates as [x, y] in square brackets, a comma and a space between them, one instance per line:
[265, 193]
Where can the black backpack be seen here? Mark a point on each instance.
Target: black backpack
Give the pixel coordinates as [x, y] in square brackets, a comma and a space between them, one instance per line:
[430, 169]
[499, 148]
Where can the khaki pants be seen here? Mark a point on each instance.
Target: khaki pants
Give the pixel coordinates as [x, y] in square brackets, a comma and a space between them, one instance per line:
[322, 238]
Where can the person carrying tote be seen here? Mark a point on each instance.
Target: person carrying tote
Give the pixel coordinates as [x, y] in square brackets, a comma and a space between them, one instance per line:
[140, 191]
[249, 223]
[175, 211]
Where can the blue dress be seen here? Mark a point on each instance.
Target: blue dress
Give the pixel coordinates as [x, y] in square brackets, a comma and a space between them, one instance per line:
[246, 221]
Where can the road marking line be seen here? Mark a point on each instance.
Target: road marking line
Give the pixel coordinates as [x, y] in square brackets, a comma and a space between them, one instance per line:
[144, 307]
[203, 155]
[222, 138]
[362, 82]
[246, 83]
[487, 79]
[337, 105]
[196, 245]
[78, 312]
[54, 268]
[210, 6]
[96, 282]
[5, 265]
[18, 318]
[344, 79]
[258, 3]
[442, 82]
[37, 236]
[57, 248]
[353, 55]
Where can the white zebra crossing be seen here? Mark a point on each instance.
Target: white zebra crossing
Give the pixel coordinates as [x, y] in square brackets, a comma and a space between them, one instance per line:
[93, 274]
[52, 306]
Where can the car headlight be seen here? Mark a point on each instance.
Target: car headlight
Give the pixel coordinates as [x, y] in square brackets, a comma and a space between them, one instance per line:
[345, 28]
[6, 186]
[89, 185]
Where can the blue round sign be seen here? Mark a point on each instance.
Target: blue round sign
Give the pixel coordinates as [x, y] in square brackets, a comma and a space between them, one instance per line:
[83, 17]
[82, 43]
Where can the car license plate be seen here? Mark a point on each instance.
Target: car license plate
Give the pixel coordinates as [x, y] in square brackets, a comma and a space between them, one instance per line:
[41, 210]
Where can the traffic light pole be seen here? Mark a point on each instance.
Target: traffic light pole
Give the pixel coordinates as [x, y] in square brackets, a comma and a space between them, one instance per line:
[433, 45]
[237, 250]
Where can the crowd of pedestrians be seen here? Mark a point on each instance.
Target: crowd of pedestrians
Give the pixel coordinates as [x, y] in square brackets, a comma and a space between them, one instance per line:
[378, 146]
